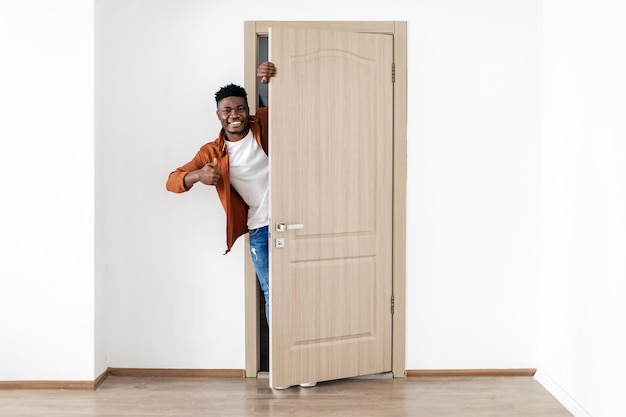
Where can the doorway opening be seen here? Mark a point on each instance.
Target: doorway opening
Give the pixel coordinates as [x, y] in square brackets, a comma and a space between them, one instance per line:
[264, 336]
[255, 40]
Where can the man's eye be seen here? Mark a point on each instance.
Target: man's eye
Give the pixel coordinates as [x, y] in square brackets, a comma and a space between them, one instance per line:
[239, 109]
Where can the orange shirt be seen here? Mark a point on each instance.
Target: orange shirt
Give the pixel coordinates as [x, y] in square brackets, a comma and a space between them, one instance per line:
[236, 209]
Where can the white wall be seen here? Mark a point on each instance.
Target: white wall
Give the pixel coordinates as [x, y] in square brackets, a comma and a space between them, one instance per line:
[173, 300]
[47, 305]
[473, 184]
[582, 357]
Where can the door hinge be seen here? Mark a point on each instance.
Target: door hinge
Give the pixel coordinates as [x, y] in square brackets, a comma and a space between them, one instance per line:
[393, 73]
[392, 305]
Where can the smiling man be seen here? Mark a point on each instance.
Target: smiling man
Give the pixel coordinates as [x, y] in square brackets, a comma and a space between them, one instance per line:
[236, 164]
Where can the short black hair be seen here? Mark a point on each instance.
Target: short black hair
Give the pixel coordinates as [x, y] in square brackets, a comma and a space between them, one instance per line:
[230, 90]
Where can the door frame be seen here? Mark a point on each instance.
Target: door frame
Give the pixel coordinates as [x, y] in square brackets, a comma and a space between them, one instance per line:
[255, 29]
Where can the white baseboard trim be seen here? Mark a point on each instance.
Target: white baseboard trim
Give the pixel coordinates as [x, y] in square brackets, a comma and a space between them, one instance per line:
[561, 395]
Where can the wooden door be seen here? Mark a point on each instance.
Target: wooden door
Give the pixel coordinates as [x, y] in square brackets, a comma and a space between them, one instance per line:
[331, 177]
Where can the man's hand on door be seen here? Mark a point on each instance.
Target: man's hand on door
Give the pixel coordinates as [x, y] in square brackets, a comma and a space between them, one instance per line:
[266, 70]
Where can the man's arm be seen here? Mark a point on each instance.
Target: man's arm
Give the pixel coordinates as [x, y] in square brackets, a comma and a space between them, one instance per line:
[196, 170]
[208, 175]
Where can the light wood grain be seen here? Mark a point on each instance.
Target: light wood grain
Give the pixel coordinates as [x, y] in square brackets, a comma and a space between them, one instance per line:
[331, 170]
[399, 197]
[167, 372]
[470, 372]
[182, 397]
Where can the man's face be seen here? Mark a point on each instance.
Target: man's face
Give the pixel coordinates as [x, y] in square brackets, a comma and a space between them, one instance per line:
[234, 114]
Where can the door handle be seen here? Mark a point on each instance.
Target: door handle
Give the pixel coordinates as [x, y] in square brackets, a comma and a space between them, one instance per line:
[281, 227]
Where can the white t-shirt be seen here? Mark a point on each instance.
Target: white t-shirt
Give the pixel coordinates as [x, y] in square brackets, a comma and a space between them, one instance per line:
[249, 175]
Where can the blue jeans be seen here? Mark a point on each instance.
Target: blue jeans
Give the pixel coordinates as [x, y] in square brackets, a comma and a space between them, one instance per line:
[260, 259]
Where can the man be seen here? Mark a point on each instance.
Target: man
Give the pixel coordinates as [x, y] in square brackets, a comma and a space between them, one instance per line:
[236, 164]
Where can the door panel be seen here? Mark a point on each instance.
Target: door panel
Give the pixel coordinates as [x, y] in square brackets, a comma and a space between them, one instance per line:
[331, 143]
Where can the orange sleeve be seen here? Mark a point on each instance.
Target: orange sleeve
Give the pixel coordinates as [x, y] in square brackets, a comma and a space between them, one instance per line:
[176, 180]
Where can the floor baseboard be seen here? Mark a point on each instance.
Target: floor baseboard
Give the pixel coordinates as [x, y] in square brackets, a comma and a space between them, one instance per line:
[103, 376]
[460, 373]
[561, 395]
[180, 373]
[136, 372]
[33, 385]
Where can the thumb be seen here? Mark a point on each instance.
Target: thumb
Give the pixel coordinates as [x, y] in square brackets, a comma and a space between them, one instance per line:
[214, 163]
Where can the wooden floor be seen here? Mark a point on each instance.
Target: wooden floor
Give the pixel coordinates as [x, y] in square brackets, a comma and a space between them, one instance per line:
[182, 397]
